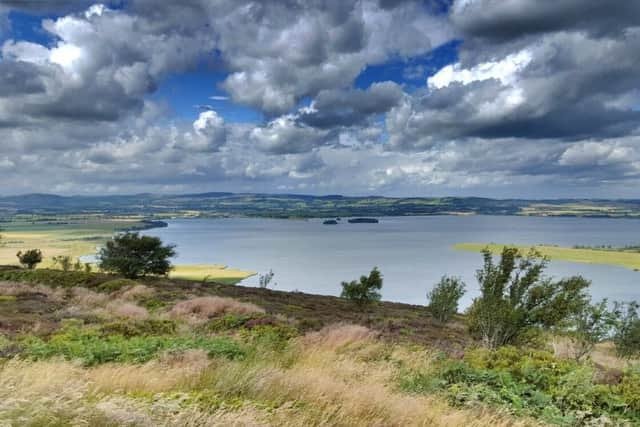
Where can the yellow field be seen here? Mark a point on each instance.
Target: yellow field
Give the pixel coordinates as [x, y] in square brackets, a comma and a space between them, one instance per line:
[627, 259]
[213, 272]
[76, 239]
[54, 241]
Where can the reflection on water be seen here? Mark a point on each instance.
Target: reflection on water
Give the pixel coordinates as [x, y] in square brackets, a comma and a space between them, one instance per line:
[412, 252]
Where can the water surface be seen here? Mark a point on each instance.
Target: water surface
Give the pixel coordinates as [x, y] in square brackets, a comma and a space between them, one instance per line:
[412, 252]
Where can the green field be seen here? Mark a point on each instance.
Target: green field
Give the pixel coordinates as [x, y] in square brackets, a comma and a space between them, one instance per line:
[618, 257]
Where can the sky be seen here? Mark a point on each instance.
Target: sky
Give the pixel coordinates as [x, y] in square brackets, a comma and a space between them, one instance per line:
[492, 98]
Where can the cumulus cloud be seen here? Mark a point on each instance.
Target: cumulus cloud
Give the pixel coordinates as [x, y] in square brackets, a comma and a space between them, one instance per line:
[539, 94]
[509, 19]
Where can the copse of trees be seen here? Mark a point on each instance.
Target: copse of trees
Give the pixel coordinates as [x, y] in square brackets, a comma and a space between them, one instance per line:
[30, 258]
[444, 298]
[133, 256]
[516, 297]
[365, 291]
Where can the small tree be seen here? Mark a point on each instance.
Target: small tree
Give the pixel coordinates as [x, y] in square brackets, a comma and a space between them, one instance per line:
[516, 297]
[63, 262]
[265, 279]
[589, 327]
[365, 291]
[444, 297]
[30, 258]
[133, 256]
[627, 330]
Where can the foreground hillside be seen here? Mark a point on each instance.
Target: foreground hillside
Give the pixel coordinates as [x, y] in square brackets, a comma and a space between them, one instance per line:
[91, 349]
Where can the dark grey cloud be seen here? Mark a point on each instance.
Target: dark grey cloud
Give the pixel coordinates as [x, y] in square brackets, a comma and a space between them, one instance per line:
[19, 78]
[510, 19]
[336, 108]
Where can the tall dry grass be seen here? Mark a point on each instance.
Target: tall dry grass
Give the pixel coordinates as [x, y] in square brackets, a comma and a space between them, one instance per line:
[324, 380]
[201, 309]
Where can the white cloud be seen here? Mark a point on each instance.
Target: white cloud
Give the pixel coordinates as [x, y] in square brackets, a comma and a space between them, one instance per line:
[505, 70]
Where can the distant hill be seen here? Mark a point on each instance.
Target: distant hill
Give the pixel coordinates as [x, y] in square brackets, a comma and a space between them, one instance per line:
[307, 206]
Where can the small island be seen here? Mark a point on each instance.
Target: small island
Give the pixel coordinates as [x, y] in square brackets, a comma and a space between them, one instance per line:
[363, 221]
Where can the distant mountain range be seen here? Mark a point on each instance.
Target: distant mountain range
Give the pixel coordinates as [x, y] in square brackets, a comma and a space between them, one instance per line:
[306, 206]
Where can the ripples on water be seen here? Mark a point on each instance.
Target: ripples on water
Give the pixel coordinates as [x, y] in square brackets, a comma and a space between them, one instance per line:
[412, 252]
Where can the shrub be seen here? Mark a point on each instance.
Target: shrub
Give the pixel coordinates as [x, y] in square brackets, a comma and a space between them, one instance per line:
[530, 383]
[203, 308]
[365, 291]
[265, 279]
[227, 322]
[133, 256]
[63, 262]
[30, 258]
[116, 285]
[515, 297]
[139, 327]
[590, 326]
[444, 297]
[627, 330]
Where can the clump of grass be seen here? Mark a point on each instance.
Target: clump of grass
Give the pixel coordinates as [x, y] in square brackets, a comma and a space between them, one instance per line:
[335, 336]
[201, 309]
[137, 293]
[131, 328]
[16, 289]
[127, 310]
[116, 285]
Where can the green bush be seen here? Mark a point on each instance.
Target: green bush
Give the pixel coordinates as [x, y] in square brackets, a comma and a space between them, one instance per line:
[92, 347]
[30, 258]
[531, 383]
[226, 323]
[516, 297]
[133, 255]
[116, 285]
[131, 328]
[365, 291]
[444, 297]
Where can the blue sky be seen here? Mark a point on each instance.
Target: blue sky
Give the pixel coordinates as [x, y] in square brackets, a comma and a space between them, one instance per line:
[413, 97]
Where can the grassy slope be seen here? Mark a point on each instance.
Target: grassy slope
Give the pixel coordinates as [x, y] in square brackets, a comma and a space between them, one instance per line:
[251, 375]
[620, 258]
[91, 349]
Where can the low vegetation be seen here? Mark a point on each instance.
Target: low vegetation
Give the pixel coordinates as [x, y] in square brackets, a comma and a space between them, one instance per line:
[83, 348]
